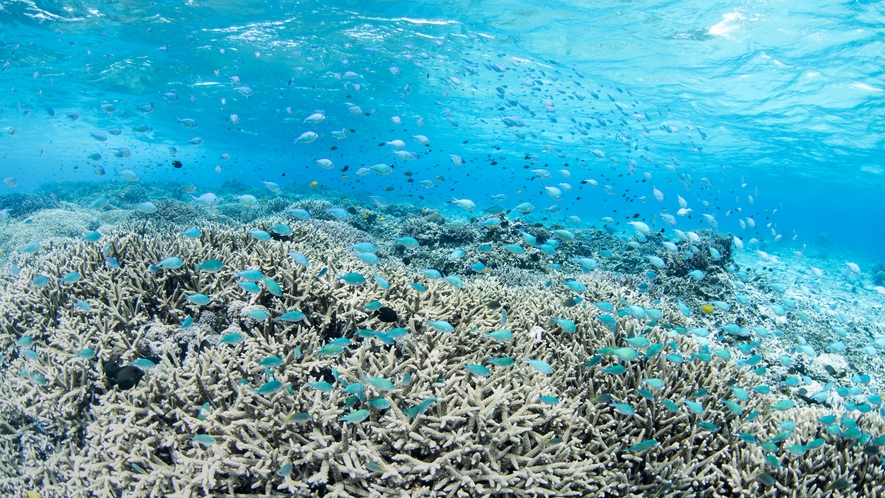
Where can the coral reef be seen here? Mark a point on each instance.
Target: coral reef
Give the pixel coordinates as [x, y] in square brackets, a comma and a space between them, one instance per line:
[22, 205]
[197, 425]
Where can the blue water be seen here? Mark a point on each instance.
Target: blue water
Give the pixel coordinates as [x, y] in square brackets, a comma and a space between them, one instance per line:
[752, 113]
[786, 95]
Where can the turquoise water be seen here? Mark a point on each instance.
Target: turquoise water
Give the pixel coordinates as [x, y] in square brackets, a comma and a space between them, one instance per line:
[787, 98]
[708, 174]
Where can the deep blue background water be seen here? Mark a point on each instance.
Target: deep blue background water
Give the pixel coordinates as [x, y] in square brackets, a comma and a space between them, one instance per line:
[788, 94]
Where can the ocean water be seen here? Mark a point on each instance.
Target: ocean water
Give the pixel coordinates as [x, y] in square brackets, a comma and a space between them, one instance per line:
[743, 141]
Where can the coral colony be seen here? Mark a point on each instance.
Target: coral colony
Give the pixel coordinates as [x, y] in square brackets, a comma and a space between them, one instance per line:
[275, 355]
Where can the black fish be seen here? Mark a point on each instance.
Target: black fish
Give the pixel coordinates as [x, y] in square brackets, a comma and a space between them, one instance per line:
[386, 315]
[177, 163]
[124, 377]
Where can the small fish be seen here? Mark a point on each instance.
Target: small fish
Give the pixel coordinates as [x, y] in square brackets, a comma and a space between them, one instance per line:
[624, 409]
[643, 446]
[192, 233]
[260, 235]
[211, 265]
[478, 267]
[321, 386]
[299, 258]
[502, 362]
[501, 335]
[271, 362]
[540, 366]
[380, 383]
[31, 248]
[171, 263]
[198, 299]
[339, 213]
[355, 417]
[71, 278]
[306, 137]
[273, 187]
[478, 370]
[269, 387]
[143, 363]
[204, 439]
[441, 325]
[188, 122]
[565, 324]
[352, 278]
[330, 350]
[454, 281]
[298, 418]
[272, 286]
[232, 338]
[258, 315]
[250, 275]
[291, 316]
[91, 237]
[695, 407]
[250, 287]
[708, 426]
[783, 405]
[407, 241]
[615, 370]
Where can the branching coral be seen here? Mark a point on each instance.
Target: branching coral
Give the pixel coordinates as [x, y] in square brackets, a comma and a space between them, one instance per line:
[439, 429]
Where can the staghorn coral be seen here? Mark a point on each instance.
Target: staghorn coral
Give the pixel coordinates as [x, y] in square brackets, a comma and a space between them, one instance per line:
[480, 436]
[22, 205]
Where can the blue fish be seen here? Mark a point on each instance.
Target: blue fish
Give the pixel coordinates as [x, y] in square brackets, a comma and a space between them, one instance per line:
[91, 237]
[381, 282]
[455, 281]
[541, 366]
[250, 275]
[170, 263]
[299, 258]
[367, 257]
[352, 278]
[575, 285]
[259, 235]
[211, 266]
[363, 247]
[339, 213]
[441, 325]
[407, 241]
[71, 278]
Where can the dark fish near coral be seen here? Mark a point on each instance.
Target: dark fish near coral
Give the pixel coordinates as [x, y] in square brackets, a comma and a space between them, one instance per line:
[386, 315]
[123, 377]
[493, 305]
[568, 303]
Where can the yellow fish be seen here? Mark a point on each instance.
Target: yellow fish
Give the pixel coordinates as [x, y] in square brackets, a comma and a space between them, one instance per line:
[313, 183]
[519, 191]
[32, 494]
